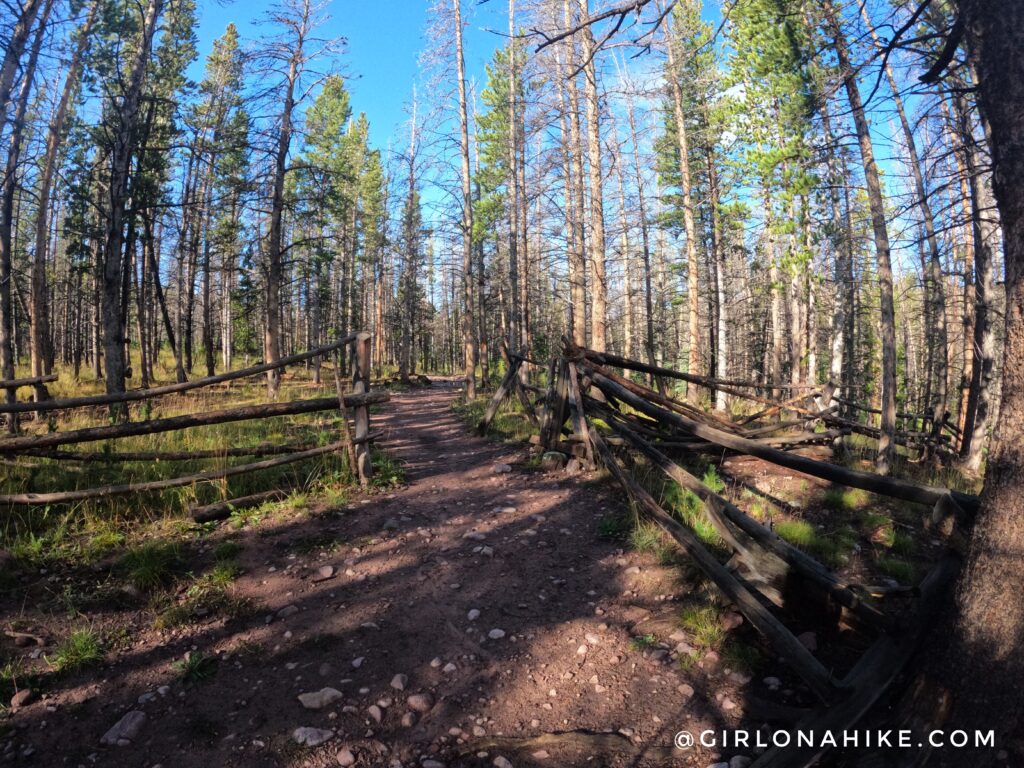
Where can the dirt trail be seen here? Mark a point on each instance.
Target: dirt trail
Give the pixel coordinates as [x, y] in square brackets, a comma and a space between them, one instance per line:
[490, 592]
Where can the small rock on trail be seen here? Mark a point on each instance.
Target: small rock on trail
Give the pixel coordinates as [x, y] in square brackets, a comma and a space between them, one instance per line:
[125, 730]
[20, 699]
[320, 699]
[420, 702]
[307, 736]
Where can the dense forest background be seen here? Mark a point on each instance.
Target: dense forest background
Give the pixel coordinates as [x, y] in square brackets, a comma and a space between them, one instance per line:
[763, 191]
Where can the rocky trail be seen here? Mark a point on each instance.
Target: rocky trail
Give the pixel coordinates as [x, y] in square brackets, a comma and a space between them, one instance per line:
[475, 616]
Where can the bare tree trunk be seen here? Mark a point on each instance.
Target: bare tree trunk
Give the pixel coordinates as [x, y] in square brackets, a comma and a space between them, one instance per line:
[468, 336]
[843, 255]
[598, 284]
[120, 161]
[576, 180]
[154, 268]
[645, 237]
[42, 342]
[7, 192]
[689, 227]
[773, 367]
[986, 235]
[275, 237]
[721, 266]
[207, 308]
[572, 152]
[886, 442]
[515, 321]
[12, 55]
[935, 294]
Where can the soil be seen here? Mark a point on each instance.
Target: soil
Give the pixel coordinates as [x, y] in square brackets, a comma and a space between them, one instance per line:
[588, 630]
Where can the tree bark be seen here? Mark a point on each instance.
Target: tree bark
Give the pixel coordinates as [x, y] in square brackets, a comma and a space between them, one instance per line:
[986, 235]
[886, 442]
[42, 343]
[987, 664]
[598, 284]
[692, 275]
[468, 335]
[275, 239]
[122, 149]
[573, 165]
[7, 192]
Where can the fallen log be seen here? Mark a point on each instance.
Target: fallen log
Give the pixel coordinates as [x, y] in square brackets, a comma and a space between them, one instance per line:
[86, 494]
[220, 510]
[146, 394]
[91, 434]
[886, 486]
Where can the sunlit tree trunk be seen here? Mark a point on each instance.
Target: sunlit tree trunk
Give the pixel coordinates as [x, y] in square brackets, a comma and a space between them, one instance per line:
[886, 442]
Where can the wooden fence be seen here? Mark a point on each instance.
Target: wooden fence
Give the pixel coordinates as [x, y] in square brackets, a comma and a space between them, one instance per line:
[764, 571]
[355, 441]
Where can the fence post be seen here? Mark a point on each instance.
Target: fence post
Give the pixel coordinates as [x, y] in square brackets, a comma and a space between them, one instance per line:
[361, 385]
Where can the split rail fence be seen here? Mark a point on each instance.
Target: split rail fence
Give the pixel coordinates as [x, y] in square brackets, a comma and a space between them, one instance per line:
[764, 572]
[354, 440]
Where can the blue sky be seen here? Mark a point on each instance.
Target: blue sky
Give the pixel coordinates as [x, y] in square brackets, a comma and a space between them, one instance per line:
[384, 41]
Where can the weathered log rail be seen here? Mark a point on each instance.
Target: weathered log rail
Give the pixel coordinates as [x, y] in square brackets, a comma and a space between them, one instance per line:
[170, 389]
[355, 442]
[590, 404]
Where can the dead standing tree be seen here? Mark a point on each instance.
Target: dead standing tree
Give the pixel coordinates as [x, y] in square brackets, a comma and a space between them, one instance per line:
[289, 56]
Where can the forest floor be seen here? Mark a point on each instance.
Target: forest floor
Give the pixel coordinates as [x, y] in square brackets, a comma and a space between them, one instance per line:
[483, 611]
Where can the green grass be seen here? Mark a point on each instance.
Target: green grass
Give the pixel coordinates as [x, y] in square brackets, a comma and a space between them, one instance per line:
[195, 667]
[689, 508]
[703, 624]
[388, 472]
[846, 499]
[227, 550]
[613, 527]
[799, 533]
[103, 543]
[642, 642]
[897, 569]
[903, 544]
[647, 537]
[152, 565]
[209, 591]
[832, 548]
[84, 533]
[78, 650]
[297, 500]
[742, 657]
[222, 574]
[712, 480]
[510, 424]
